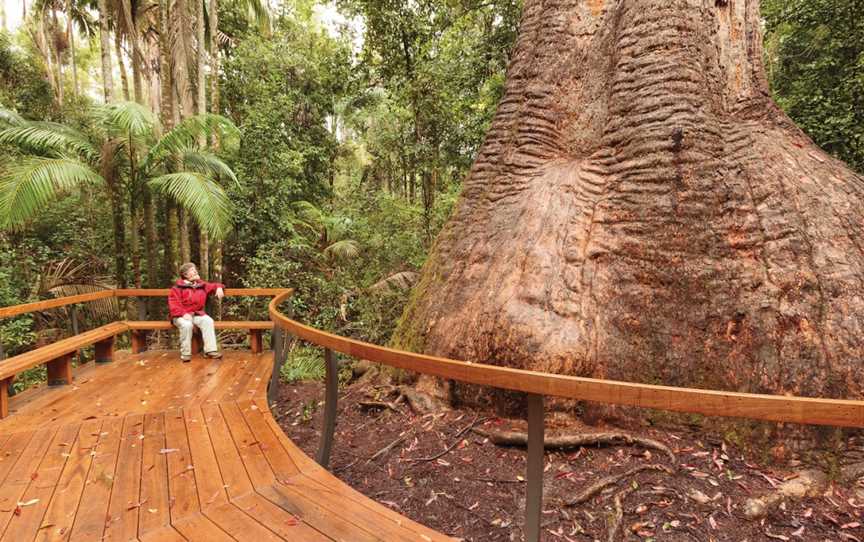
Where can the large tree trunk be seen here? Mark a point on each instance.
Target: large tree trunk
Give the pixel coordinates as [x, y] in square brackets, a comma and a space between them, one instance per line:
[105, 52]
[641, 210]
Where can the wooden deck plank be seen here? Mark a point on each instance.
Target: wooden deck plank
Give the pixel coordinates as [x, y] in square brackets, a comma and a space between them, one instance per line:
[211, 487]
[24, 525]
[312, 470]
[60, 516]
[240, 489]
[122, 521]
[185, 506]
[11, 451]
[22, 472]
[154, 518]
[92, 516]
[264, 480]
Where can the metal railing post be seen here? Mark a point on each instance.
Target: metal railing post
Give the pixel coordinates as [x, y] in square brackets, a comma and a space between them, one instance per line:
[534, 474]
[76, 330]
[277, 344]
[330, 399]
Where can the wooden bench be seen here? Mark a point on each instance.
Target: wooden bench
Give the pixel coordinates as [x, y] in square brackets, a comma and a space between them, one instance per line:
[139, 329]
[57, 357]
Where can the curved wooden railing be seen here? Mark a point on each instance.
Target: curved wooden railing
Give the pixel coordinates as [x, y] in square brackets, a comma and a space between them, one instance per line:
[801, 410]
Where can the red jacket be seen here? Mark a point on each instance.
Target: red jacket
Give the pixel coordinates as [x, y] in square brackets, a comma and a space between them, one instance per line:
[186, 298]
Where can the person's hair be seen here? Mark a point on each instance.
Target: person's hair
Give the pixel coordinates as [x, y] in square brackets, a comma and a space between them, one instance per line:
[185, 269]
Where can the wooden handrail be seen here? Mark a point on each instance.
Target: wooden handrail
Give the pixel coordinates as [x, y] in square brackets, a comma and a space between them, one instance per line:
[15, 310]
[36, 306]
[230, 292]
[803, 410]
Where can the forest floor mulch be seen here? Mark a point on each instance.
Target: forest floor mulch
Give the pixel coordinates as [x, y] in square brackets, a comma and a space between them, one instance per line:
[476, 491]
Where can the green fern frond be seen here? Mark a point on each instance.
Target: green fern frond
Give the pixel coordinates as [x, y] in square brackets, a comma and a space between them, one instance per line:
[201, 196]
[48, 139]
[207, 163]
[185, 136]
[128, 118]
[29, 184]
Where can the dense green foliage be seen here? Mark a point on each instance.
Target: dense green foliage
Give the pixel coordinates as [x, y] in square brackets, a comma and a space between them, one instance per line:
[815, 62]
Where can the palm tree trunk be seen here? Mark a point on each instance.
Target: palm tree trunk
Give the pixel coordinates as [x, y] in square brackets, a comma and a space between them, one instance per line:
[41, 41]
[132, 36]
[105, 53]
[118, 218]
[150, 238]
[183, 220]
[171, 263]
[70, 35]
[214, 61]
[182, 30]
[124, 78]
[165, 76]
[58, 62]
[135, 241]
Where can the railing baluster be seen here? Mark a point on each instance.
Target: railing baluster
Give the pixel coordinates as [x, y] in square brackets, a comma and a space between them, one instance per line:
[534, 474]
[277, 344]
[76, 330]
[330, 399]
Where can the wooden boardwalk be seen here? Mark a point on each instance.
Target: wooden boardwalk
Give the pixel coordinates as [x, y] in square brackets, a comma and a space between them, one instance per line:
[147, 448]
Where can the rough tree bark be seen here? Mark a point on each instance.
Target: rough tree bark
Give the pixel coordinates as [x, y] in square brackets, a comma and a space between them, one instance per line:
[641, 210]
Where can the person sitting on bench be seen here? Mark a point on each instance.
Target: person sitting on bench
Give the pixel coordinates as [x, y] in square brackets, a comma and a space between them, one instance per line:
[186, 307]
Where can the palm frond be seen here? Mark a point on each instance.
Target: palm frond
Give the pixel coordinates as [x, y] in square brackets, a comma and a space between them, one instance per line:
[128, 118]
[343, 250]
[32, 182]
[397, 281]
[67, 278]
[10, 118]
[201, 196]
[207, 163]
[49, 139]
[184, 137]
[257, 12]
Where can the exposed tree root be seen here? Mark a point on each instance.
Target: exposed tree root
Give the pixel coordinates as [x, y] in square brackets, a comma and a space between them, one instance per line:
[515, 438]
[600, 485]
[390, 446]
[619, 514]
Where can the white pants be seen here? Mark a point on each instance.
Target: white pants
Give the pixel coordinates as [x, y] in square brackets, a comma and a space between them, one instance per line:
[186, 327]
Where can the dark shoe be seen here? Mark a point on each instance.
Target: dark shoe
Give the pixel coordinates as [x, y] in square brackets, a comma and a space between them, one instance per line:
[185, 359]
[214, 354]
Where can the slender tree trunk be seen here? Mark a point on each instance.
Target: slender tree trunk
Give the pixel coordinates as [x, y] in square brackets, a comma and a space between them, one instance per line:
[136, 57]
[165, 77]
[105, 53]
[118, 212]
[124, 78]
[150, 238]
[214, 61]
[172, 263]
[58, 61]
[70, 36]
[135, 241]
[183, 221]
[182, 31]
[45, 50]
[641, 210]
